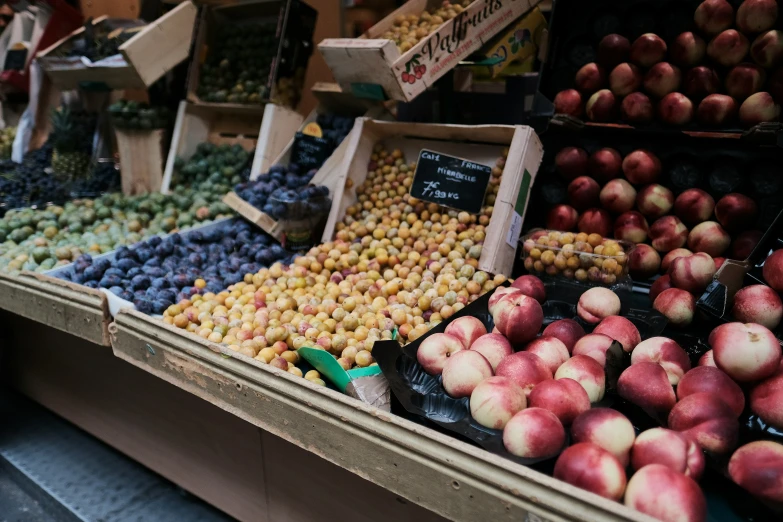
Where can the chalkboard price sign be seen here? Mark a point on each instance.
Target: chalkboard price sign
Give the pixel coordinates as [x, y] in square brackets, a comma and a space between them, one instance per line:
[452, 182]
[310, 152]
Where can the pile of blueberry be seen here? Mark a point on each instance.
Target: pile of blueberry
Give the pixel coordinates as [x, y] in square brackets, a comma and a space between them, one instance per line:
[159, 272]
[278, 178]
[27, 183]
[105, 177]
[335, 128]
[310, 202]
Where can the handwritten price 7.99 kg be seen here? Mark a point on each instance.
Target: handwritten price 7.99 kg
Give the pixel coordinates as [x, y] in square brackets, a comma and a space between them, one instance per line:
[431, 189]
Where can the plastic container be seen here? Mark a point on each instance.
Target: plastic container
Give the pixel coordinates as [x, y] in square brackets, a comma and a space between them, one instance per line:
[577, 256]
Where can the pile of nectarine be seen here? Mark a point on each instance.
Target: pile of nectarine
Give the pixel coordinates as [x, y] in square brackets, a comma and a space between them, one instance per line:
[726, 70]
[540, 388]
[609, 194]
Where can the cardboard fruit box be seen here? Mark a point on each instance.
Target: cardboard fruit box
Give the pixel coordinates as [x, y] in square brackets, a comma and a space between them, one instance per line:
[153, 51]
[482, 144]
[373, 67]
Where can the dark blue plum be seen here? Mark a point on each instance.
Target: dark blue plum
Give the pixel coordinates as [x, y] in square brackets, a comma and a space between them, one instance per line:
[91, 284]
[128, 296]
[112, 271]
[154, 241]
[116, 290]
[126, 264]
[160, 282]
[133, 272]
[143, 305]
[140, 282]
[92, 273]
[159, 306]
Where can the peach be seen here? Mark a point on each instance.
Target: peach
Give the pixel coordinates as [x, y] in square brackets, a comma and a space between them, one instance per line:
[672, 255]
[708, 379]
[675, 450]
[647, 50]
[773, 270]
[767, 49]
[596, 304]
[569, 102]
[583, 192]
[495, 401]
[655, 201]
[637, 108]
[718, 262]
[494, 347]
[590, 78]
[534, 433]
[621, 330]
[717, 109]
[758, 468]
[662, 283]
[759, 108]
[745, 79]
[587, 372]
[668, 233]
[606, 428]
[707, 359]
[687, 49]
[641, 167]
[595, 221]
[613, 49]
[713, 16]
[567, 330]
[435, 350]
[562, 217]
[728, 48]
[525, 369]
[604, 164]
[618, 196]
[463, 371]
[746, 352]
[700, 82]
[755, 16]
[744, 243]
[735, 211]
[589, 466]
[467, 329]
[667, 353]
[775, 85]
[758, 304]
[666, 495]
[646, 385]
[661, 79]
[694, 206]
[692, 273]
[499, 294]
[709, 237]
[625, 79]
[564, 397]
[518, 317]
[594, 346]
[571, 162]
[601, 106]
[678, 306]
[631, 226]
[708, 419]
[551, 350]
[531, 286]
[644, 262]
[766, 399]
[675, 109]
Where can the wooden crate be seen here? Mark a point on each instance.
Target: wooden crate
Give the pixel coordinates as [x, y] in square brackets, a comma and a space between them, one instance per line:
[454, 479]
[295, 25]
[331, 99]
[371, 66]
[482, 144]
[143, 59]
[141, 160]
[66, 306]
[197, 124]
